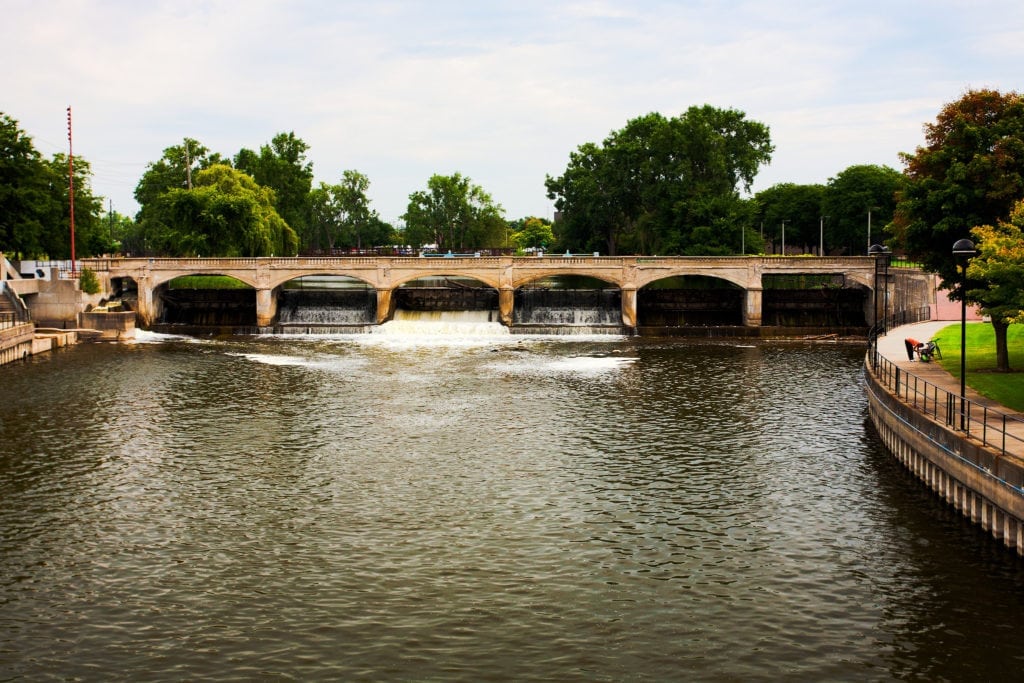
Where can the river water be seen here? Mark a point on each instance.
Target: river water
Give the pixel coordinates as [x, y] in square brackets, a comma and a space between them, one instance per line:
[477, 508]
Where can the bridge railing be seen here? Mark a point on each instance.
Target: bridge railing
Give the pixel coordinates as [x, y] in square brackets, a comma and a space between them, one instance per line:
[994, 428]
[105, 263]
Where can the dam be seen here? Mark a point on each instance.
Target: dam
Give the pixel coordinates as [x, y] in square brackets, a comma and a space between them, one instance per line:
[747, 293]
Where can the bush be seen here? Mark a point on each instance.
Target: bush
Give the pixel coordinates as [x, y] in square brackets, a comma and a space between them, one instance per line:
[88, 282]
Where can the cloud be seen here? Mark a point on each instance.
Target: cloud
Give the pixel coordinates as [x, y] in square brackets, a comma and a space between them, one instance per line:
[501, 92]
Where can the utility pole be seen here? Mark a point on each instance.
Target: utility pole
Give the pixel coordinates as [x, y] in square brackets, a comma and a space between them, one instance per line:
[870, 209]
[71, 192]
[187, 167]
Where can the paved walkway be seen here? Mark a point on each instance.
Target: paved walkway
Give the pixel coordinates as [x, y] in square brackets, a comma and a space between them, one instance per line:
[892, 348]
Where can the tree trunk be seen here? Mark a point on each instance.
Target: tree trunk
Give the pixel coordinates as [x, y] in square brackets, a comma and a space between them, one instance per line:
[1000, 326]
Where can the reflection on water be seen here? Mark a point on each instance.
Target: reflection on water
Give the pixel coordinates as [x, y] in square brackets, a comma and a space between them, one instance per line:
[480, 508]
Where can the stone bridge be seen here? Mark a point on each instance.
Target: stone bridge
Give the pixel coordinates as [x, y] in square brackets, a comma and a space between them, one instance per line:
[503, 273]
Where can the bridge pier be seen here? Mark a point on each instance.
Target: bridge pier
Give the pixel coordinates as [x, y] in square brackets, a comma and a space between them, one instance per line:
[146, 312]
[752, 307]
[629, 307]
[506, 302]
[385, 305]
[266, 307]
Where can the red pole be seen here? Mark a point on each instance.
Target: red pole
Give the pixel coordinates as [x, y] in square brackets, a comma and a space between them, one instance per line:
[71, 193]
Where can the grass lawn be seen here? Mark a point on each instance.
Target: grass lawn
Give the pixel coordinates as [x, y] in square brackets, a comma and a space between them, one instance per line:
[1005, 387]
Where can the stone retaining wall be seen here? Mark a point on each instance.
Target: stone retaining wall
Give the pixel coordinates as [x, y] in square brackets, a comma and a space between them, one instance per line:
[984, 485]
[16, 342]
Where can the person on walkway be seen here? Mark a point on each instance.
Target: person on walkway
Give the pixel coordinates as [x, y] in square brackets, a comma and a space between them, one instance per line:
[912, 345]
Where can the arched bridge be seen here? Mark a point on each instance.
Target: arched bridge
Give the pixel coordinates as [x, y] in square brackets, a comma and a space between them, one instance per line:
[504, 273]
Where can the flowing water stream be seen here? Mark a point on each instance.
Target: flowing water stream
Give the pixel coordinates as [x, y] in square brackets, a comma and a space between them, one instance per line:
[474, 506]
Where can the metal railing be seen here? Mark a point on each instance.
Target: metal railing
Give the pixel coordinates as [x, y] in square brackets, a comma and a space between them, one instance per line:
[992, 427]
[902, 317]
[18, 315]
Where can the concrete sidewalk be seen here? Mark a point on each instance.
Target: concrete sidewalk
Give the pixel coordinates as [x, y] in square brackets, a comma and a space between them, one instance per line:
[893, 348]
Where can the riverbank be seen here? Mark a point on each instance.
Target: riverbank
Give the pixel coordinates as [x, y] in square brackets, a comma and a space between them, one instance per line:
[968, 449]
[21, 341]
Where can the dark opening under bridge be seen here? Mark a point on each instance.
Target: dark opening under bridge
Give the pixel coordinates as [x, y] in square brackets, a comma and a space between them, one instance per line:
[505, 274]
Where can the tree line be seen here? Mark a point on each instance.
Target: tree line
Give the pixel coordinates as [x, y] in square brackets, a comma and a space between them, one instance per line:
[195, 202]
[658, 186]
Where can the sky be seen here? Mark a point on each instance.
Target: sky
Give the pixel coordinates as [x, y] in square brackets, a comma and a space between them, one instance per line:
[501, 92]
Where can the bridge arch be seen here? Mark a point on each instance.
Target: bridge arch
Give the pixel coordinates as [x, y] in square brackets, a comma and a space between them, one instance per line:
[285, 278]
[740, 280]
[701, 300]
[197, 305]
[159, 279]
[482, 278]
[536, 276]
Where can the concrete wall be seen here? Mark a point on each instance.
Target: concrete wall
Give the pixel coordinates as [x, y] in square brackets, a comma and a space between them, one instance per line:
[984, 485]
[58, 302]
[110, 324]
[16, 342]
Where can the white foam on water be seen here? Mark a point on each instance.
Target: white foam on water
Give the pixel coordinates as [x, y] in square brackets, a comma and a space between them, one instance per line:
[443, 323]
[588, 364]
[318, 362]
[575, 365]
[271, 359]
[147, 337]
[437, 328]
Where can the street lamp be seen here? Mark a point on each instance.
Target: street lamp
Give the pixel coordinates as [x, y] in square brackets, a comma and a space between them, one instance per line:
[963, 250]
[821, 236]
[784, 237]
[881, 255]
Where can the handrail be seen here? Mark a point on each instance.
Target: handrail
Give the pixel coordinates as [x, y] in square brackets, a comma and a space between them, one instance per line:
[18, 316]
[902, 317]
[980, 421]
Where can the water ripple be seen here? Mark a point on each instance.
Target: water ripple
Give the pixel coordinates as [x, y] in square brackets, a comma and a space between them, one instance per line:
[523, 509]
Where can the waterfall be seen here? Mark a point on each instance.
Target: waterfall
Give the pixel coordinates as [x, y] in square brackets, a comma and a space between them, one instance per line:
[572, 307]
[443, 323]
[326, 310]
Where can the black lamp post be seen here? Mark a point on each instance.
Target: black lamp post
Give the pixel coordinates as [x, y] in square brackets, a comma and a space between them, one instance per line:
[963, 250]
[881, 255]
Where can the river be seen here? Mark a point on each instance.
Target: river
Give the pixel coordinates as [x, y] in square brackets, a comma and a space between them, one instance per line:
[477, 507]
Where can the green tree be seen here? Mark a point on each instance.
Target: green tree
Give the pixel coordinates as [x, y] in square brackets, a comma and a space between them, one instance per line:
[848, 199]
[226, 213]
[353, 207]
[532, 233]
[662, 185]
[324, 228]
[29, 205]
[340, 215]
[175, 170]
[997, 272]
[453, 213]
[121, 231]
[799, 206]
[969, 173]
[90, 239]
[587, 196]
[282, 166]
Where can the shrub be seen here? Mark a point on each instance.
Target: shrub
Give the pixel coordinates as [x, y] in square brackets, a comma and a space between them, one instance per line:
[88, 282]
